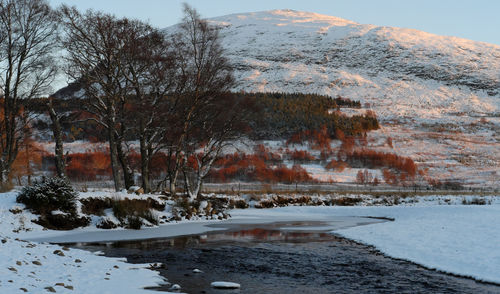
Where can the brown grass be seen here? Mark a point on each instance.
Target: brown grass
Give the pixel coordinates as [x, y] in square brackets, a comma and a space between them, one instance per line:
[96, 206]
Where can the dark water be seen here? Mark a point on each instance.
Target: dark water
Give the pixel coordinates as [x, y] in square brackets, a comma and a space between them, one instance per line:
[267, 260]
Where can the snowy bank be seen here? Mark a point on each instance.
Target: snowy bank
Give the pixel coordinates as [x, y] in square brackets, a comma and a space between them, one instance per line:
[36, 268]
[434, 231]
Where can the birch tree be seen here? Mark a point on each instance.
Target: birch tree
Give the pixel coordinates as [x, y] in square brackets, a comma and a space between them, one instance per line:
[94, 43]
[222, 122]
[58, 138]
[151, 72]
[28, 33]
[203, 74]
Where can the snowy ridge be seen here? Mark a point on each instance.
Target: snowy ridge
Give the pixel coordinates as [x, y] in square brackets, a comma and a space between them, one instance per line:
[419, 73]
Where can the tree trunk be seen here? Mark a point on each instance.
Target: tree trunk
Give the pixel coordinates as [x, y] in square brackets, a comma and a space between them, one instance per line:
[3, 175]
[173, 181]
[59, 149]
[115, 165]
[145, 165]
[194, 188]
[128, 174]
[10, 144]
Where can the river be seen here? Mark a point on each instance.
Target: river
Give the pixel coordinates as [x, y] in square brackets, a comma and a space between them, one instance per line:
[283, 257]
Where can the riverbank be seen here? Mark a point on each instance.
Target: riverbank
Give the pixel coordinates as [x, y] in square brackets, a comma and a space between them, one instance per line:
[436, 231]
[34, 267]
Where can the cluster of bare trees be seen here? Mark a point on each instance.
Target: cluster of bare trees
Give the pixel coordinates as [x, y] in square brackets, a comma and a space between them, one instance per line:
[28, 32]
[169, 93]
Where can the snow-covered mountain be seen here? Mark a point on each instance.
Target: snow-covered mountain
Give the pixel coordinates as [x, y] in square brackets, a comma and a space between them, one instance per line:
[437, 97]
[401, 72]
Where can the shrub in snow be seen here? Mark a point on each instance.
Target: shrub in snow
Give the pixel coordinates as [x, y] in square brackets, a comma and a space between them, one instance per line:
[62, 221]
[133, 222]
[107, 224]
[130, 212]
[239, 203]
[55, 201]
[49, 195]
[95, 205]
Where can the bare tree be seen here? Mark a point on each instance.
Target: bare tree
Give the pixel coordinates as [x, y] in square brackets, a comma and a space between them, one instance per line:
[28, 34]
[58, 138]
[95, 43]
[222, 122]
[151, 73]
[170, 96]
[203, 74]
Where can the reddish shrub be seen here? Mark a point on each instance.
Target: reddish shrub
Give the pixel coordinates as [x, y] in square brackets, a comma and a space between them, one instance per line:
[364, 177]
[159, 162]
[29, 159]
[337, 165]
[88, 166]
[347, 145]
[318, 139]
[282, 174]
[300, 155]
[339, 135]
[374, 159]
[389, 142]
[253, 167]
[389, 177]
[265, 154]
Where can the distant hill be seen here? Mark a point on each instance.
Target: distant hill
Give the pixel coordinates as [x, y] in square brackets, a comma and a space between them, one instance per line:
[406, 72]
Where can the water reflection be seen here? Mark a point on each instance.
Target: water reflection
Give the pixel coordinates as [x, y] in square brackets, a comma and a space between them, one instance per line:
[250, 235]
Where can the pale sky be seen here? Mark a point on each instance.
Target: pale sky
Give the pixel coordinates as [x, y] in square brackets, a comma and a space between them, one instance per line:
[477, 20]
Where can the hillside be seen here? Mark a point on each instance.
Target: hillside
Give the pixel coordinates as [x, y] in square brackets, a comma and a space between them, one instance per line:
[436, 96]
[401, 73]
[425, 74]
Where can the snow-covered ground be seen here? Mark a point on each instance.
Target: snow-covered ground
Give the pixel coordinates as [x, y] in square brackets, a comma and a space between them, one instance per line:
[434, 231]
[34, 267]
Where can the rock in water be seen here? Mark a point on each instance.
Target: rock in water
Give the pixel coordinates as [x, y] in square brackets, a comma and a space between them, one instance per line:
[225, 285]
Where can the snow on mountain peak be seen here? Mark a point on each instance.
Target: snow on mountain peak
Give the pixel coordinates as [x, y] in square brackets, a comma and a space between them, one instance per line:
[402, 72]
[283, 18]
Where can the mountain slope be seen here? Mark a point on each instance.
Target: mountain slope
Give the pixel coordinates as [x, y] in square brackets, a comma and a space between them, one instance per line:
[416, 73]
[437, 97]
